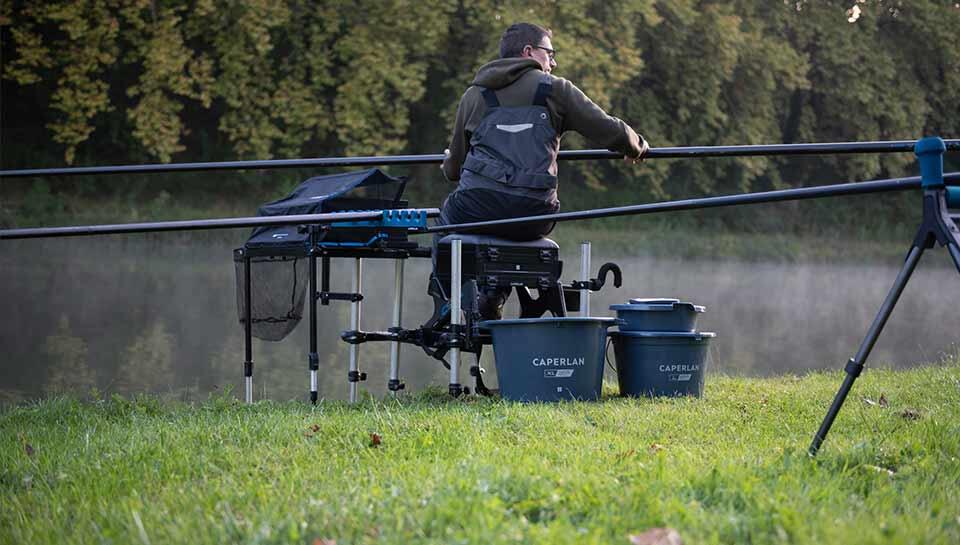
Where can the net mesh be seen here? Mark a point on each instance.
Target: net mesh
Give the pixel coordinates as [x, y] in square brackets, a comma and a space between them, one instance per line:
[276, 294]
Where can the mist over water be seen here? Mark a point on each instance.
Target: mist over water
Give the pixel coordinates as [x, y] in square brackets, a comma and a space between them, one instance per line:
[157, 313]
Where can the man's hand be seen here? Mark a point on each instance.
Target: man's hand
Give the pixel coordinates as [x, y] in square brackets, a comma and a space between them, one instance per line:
[644, 148]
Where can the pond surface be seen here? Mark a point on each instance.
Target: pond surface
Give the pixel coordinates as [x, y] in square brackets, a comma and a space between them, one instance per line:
[157, 313]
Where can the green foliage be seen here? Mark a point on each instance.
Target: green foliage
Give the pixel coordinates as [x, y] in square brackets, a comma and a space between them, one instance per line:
[123, 81]
[77, 42]
[170, 71]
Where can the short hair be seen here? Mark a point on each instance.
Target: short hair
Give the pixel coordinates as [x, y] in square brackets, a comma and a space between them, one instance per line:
[519, 35]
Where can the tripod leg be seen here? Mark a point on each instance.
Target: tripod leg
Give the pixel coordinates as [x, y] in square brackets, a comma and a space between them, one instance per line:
[955, 254]
[855, 366]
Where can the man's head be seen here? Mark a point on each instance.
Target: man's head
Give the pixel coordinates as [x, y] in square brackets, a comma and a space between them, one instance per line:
[529, 40]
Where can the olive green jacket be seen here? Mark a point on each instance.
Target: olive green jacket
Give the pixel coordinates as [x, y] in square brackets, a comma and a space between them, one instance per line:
[515, 81]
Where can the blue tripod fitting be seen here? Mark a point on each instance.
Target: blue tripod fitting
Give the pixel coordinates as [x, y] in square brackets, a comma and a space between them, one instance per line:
[929, 152]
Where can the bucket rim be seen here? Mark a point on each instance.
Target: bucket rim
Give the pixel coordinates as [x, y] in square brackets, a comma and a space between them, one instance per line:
[653, 301]
[664, 334]
[606, 321]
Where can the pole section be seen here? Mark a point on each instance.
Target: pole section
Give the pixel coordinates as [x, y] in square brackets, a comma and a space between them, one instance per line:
[856, 188]
[192, 225]
[679, 152]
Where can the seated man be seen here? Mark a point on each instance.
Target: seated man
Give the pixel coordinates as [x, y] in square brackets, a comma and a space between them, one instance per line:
[505, 141]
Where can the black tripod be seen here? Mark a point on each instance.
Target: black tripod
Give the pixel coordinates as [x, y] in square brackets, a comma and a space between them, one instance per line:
[939, 226]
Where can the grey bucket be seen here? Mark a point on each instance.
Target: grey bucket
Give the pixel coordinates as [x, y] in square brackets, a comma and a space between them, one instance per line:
[657, 315]
[656, 363]
[549, 359]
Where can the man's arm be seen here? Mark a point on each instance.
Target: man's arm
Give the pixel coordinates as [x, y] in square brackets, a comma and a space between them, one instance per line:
[583, 115]
[460, 137]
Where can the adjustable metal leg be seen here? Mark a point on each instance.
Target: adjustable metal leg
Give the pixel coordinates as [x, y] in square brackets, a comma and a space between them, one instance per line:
[394, 384]
[247, 333]
[855, 366]
[313, 359]
[585, 277]
[455, 314]
[355, 309]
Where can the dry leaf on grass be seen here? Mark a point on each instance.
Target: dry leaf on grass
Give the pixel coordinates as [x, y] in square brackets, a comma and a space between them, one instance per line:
[657, 536]
[374, 439]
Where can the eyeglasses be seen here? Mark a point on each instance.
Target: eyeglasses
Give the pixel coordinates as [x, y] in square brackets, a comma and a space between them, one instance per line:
[551, 53]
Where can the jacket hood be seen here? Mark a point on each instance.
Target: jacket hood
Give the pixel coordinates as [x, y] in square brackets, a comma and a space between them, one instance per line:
[502, 72]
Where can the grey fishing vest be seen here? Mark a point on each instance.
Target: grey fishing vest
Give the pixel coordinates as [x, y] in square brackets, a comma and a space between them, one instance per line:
[514, 149]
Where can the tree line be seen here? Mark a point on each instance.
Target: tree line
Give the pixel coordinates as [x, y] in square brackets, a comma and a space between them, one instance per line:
[127, 81]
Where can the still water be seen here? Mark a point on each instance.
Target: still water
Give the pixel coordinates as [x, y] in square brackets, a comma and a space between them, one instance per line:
[157, 313]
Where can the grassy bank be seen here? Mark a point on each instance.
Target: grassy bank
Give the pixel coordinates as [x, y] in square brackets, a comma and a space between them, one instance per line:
[728, 468]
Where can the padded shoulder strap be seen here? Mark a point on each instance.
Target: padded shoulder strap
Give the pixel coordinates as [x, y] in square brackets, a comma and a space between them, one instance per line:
[543, 91]
[490, 98]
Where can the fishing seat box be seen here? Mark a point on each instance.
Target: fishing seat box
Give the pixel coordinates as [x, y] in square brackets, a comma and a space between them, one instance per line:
[498, 262]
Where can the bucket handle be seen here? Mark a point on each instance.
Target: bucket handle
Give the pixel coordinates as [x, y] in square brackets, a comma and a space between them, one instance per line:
[606, 354]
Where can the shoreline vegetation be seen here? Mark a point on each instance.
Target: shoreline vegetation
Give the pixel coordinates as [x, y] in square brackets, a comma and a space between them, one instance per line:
[731, 467]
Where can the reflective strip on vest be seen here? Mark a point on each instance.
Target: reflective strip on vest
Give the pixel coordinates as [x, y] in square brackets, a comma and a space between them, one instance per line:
[515, 128]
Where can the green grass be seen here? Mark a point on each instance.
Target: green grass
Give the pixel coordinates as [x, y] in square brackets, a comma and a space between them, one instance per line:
[728, 468]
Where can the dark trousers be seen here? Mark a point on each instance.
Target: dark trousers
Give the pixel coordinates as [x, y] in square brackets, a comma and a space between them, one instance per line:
[475, 205]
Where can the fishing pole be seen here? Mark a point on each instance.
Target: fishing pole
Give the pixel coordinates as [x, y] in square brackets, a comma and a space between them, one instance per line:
[683, 152]
[815, 192]
[193, 225]
[854, 188]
